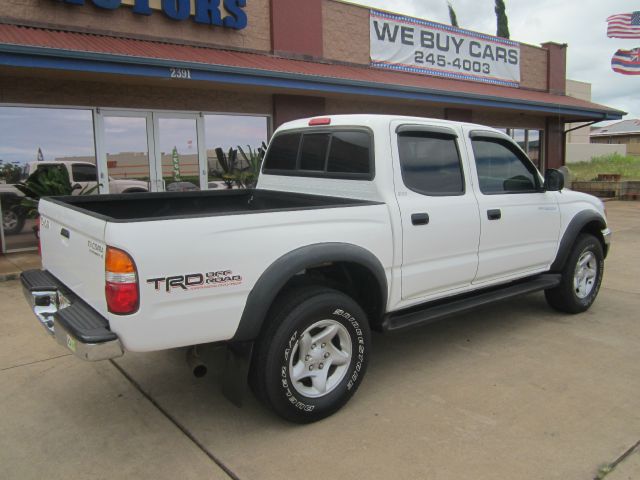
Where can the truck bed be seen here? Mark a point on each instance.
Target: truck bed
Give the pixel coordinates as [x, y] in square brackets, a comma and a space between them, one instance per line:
[140, 207]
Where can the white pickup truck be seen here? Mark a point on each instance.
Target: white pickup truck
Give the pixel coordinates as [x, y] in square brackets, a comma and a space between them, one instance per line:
[358, 223]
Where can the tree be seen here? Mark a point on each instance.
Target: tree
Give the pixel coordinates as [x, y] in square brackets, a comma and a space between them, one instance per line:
[502, 20]
[452, 15]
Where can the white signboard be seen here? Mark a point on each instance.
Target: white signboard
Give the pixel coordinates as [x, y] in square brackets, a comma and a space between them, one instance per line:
[418, 46]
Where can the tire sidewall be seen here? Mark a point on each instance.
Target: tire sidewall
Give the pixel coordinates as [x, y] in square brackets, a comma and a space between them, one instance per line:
[284, 397]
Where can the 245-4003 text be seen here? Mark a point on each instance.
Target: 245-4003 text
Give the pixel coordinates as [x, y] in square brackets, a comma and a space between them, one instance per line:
[441, 61]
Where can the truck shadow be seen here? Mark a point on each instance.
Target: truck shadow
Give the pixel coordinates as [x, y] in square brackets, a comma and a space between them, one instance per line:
[424, 351]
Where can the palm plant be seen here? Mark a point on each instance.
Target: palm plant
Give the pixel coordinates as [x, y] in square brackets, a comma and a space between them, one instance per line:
[47, 182]
[249, 177]
[228, 164]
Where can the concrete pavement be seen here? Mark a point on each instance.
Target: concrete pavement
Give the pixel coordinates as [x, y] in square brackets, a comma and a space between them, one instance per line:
[513, 390]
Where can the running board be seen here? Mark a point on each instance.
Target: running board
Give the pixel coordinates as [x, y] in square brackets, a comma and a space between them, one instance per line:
[434, 311]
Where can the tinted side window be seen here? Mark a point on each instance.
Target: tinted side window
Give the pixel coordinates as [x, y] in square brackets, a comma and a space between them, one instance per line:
[314, 151]
[349, 153]
[430, 163]
[283, 152]
[500, 168]
[84, 173]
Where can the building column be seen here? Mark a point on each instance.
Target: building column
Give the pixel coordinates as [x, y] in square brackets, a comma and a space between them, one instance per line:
[554, 140]
[296, 29]
[556, 67]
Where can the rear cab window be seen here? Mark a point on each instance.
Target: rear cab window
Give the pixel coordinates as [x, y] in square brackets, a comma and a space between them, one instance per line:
[342, 153]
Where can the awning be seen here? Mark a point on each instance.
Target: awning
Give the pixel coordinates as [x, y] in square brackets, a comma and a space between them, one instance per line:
[54, 49]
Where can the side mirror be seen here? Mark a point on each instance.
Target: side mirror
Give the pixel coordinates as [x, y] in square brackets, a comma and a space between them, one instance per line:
[553, 180]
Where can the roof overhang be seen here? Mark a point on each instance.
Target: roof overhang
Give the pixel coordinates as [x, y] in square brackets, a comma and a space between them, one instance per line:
[19, 47]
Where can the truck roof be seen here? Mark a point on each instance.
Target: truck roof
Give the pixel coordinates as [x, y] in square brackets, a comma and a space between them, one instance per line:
[377, 120]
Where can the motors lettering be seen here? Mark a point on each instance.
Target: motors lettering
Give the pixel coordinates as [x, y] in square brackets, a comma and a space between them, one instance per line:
[196, 281]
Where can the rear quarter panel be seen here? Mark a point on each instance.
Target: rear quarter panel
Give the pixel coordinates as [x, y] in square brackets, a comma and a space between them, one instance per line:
[243, 246]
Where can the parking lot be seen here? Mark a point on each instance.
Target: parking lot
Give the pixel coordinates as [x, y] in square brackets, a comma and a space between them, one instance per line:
[513, 391]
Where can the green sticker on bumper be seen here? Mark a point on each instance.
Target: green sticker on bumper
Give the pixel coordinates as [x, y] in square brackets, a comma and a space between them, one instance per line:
[71, 343]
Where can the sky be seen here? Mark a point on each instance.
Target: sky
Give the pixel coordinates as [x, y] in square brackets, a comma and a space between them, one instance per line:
[579, 23]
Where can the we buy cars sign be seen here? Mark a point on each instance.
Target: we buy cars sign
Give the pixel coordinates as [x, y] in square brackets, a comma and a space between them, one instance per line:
[419, 46]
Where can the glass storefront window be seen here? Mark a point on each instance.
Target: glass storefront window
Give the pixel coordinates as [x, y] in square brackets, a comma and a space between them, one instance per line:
[30, 136]
[225, 132]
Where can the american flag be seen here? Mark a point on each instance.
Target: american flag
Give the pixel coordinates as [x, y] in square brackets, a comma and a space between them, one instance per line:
[624, 25]
[626, 62]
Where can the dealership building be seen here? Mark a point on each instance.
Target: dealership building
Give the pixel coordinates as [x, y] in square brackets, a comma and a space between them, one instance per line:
[130, 85]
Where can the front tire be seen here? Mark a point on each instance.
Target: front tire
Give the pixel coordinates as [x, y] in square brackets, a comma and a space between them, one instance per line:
[313, 354]
[581, 277]
[12, 221]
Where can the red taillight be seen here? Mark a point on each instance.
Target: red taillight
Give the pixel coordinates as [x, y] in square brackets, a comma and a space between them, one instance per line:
[121, 282]
[319, 121]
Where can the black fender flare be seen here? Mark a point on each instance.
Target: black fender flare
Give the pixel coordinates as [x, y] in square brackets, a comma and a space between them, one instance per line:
[286, 267]
[576, 225]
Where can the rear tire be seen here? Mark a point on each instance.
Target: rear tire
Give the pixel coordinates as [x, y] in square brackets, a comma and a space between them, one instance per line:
[581, 277]
[313, 354]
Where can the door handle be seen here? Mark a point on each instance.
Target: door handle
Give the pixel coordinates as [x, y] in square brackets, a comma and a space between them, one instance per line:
[65, 233]
[420, 218]
[494, 214]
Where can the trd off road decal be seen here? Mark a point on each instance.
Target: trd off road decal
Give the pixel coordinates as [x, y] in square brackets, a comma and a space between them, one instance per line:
[196, 281]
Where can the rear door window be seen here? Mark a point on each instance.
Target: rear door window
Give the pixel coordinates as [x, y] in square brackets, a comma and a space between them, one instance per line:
[430, 163]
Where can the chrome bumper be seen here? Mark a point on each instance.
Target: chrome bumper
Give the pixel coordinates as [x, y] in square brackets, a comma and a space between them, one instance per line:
[46, 304]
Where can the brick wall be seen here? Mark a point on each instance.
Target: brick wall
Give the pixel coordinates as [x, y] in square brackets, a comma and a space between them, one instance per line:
[122, 21]
[346, 39]
[346, 32]
[533, 67]
[335, 106]
[508, 120]
[60, 90]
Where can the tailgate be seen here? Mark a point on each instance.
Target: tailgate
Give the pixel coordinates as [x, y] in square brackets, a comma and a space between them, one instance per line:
[73, 251]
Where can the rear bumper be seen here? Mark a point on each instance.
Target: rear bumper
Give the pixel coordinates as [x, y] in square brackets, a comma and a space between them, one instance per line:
[73, 323]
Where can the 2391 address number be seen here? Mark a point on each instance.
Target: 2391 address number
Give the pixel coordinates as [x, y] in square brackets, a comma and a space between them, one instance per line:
[183, 73]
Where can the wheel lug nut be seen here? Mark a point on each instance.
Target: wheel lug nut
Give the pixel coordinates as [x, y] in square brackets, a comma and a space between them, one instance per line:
[310, 367]
[326, 355]
[321, 366]
[323, 345]
[307, 358]
[313, 346]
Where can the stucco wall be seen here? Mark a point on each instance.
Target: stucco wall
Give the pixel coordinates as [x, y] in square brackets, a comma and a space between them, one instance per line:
[584, 152]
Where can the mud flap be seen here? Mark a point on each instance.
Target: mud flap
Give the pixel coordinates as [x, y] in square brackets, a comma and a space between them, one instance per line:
[235, 377]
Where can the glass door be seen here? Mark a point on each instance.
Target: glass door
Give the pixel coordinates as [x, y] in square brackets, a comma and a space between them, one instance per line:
[126, 152]
[180, 155]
